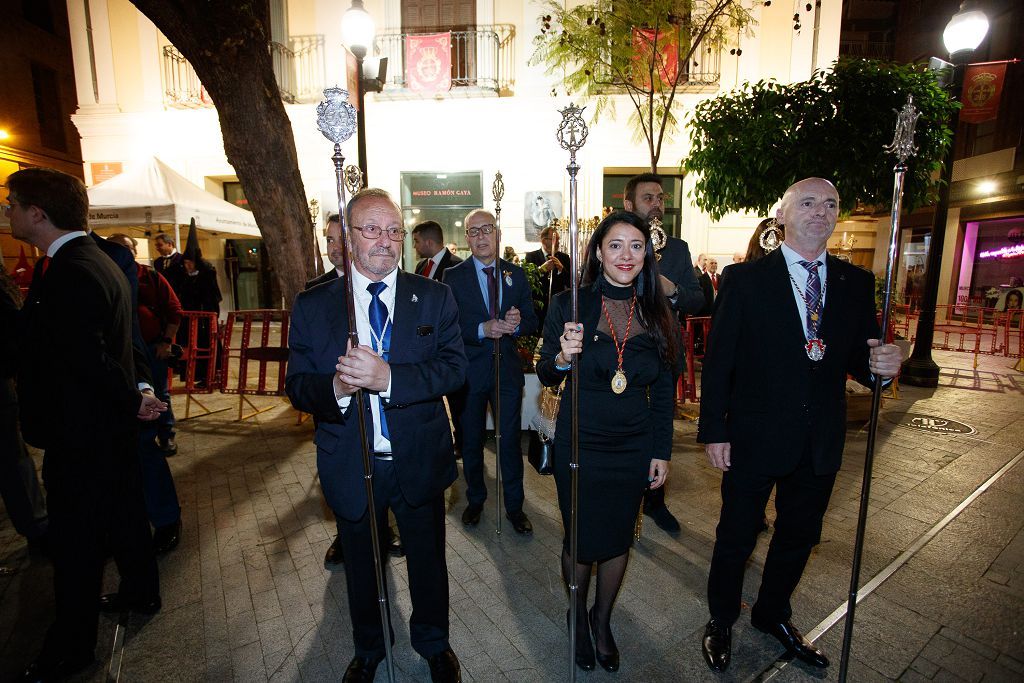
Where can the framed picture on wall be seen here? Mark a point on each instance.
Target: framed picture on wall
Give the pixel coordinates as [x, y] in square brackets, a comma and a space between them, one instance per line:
[539, 208]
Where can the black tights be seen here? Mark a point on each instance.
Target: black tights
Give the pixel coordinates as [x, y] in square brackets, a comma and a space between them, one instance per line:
[609, 580]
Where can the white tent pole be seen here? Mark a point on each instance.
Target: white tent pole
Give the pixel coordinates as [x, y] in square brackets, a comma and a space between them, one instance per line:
[177, 238]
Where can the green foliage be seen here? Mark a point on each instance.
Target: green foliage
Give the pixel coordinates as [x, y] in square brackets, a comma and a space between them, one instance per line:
[527, 344]
[533, 278]
[593, 51]
[748, 146]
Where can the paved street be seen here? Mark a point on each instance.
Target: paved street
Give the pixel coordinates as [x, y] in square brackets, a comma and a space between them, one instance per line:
[246, 596]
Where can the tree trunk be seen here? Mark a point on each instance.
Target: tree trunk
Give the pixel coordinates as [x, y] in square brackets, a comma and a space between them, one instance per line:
[226, 41]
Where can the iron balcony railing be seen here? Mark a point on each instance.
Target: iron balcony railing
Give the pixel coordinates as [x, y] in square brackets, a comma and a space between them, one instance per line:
[298, 67]
[483, 60]
[702, 72]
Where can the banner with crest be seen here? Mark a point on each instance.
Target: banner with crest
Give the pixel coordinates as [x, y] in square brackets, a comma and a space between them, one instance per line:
[428, 62]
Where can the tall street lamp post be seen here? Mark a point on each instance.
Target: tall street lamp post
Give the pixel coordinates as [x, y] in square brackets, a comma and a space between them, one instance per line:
[963, 34]
[357, 35]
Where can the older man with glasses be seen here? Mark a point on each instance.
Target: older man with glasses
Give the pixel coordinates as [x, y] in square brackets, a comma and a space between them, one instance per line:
[484, 318]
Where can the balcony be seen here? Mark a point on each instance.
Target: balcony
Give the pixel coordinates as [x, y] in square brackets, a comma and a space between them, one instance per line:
[483, 63]
[298, 68]
[701, 73]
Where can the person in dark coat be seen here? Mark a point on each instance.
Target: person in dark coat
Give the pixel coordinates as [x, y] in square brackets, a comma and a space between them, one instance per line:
[75, 341]
[410, 355]
[555, 271]
[787, 331]
[435, 258]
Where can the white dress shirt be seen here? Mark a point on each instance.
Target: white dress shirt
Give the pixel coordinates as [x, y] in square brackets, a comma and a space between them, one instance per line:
[363, 300]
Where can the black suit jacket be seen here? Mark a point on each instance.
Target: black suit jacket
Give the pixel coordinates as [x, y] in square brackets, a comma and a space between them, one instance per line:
[330, 276]
[560, 281]
[427, 362]
[76, 379]
[675, 264]
[465, 286]
[447, 261]
[707, 294]
[759, 390]
[171, 267]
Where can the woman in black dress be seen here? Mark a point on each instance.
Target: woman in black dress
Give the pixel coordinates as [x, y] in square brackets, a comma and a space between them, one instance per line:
[627, 343]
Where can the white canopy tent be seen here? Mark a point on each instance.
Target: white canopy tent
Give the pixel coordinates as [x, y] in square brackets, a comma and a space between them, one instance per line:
[154, 194]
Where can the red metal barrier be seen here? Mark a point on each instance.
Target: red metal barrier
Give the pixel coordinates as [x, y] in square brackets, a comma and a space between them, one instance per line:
[200, 336]
[255, 356]
[702, 325]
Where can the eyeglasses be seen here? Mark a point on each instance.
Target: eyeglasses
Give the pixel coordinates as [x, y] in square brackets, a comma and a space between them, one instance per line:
[395, 234]
[483, 229]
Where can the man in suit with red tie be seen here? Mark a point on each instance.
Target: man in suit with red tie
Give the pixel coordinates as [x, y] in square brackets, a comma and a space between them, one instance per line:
[428, 241]
[787, 330]
[80, 403]
[482, 321]
[409, 355]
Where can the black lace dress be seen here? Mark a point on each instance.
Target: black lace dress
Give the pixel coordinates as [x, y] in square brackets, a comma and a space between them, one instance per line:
[619, 433]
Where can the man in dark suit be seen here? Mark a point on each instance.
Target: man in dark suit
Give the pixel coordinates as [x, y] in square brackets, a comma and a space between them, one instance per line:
[428, 241]
[645, 197]
[80, 403]
[787, 330]
[708, 281]
[335, 253]
[169, 263]
[410, 355]
[482, 321]
[556, 275]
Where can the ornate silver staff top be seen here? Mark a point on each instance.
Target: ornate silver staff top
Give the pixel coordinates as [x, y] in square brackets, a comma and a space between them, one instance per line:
[572, 132]
[498, 189]
[353, 179]
[335, 117]
[903, 141]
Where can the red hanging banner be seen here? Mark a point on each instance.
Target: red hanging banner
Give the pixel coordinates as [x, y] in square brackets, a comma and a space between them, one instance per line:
[645, 41]
[428, 62]
[983, 85]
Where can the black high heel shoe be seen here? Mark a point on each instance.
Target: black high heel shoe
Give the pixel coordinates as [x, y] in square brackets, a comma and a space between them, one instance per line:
[609, 662]
[584, 648]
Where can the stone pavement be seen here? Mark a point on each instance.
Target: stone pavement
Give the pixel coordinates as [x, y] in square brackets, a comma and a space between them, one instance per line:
[246, 596]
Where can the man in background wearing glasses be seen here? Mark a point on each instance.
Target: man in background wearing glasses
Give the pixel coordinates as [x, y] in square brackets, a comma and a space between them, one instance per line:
[409, 356]
[484, 318]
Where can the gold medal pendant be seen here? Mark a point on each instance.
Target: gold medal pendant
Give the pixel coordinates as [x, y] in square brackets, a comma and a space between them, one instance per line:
[619, 382]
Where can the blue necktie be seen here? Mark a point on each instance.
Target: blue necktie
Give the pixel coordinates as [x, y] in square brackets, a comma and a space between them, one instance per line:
[382, 336]
[812, 298]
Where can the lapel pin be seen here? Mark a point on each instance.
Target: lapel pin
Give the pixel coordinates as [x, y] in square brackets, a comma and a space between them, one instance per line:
[508, 277]
[415, 298]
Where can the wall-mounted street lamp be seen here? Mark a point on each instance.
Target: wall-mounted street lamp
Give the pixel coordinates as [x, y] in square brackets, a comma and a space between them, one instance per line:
[357, 35]
[962, 36]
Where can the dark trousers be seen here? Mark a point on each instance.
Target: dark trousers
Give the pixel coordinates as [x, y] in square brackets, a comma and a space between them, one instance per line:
[422, 530]
[19, 485]
[95, 504]
[159, 492]
[165, 423]
[801, 498]
[474, 426]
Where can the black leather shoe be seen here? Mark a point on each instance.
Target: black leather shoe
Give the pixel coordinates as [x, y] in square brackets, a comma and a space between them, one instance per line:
[794, 641]
[717, 645]
[166, 538]
[665, 520]
[520, 522]
[46, 668]
[584, 647]
[471, 515]
[361, 669]
[334, 560]
[609, 662]
[168, 447]
[113, 602]
[444, 667]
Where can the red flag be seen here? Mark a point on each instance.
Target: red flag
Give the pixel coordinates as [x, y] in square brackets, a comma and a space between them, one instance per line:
[983, 85]
[667, 59]
[428, 62]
